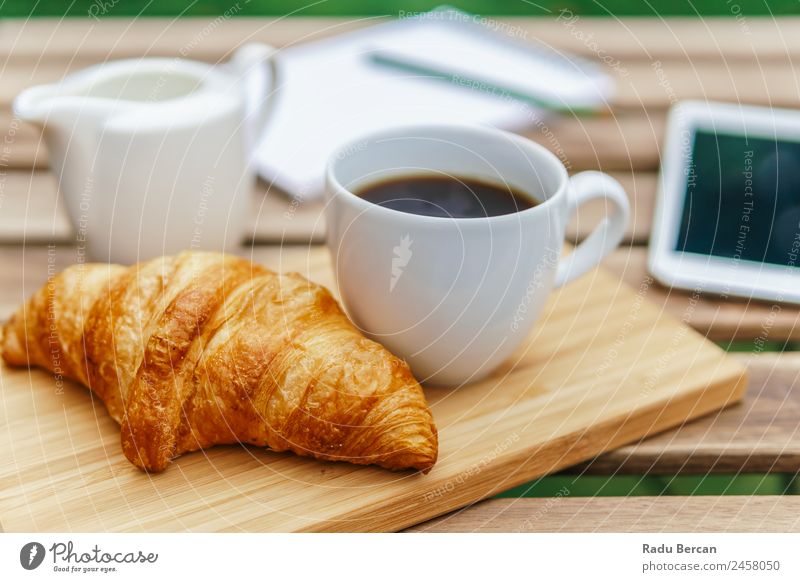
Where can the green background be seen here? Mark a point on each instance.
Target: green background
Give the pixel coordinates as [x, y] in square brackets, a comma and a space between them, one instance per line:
[555, 485]
[23, 8]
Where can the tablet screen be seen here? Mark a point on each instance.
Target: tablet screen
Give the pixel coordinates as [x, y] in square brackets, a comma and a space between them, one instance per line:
[742, 199]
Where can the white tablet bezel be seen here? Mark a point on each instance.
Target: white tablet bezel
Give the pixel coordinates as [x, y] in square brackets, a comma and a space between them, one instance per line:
[707, 273]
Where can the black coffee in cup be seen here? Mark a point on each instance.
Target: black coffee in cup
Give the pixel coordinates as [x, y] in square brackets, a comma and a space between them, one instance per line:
[446, 197]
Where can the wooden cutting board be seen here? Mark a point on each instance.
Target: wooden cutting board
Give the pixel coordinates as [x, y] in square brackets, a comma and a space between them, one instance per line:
[603, 368]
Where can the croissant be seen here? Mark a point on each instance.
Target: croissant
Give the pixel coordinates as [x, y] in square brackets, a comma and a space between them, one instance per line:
[199, 349]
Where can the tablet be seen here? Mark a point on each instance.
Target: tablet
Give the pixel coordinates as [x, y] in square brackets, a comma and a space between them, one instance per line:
[727, 217]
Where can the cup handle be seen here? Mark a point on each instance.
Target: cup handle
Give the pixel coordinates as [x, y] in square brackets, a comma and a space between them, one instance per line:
[606, 236]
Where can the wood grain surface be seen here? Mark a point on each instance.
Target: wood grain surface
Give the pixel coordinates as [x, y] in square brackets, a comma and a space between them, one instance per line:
[615, 141]
[556, 402]
[625, 514]
[630, 39]
[660, 61]
[760, 435]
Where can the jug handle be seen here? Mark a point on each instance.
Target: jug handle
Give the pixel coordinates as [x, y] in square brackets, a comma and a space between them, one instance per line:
[256, 65]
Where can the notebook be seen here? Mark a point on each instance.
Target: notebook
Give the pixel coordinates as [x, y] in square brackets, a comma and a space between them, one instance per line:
[443, 66]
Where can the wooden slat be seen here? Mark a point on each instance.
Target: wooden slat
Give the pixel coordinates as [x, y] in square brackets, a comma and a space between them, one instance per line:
[658, 86]
[718, 318]
[23, 146]
[625, 514]
[30, 211]
[626, 141]
[210, 39]
[775, 83]
[715, 39]
[718, 39]
[760, 435]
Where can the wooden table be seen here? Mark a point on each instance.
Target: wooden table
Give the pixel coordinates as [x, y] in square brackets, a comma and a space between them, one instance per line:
[660, 61]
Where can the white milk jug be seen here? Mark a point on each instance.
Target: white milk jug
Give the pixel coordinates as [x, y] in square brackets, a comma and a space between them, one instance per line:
[153, 155]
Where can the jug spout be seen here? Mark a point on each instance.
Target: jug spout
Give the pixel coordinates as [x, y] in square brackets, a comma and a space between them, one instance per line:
[72, 126]
[33, 105]
[56, 105]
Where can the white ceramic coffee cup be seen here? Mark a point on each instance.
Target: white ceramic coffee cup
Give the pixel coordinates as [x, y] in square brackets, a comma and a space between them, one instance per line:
[456, 296]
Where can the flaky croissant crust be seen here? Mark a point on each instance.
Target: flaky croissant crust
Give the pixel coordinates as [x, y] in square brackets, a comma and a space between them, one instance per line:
[201, 349]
